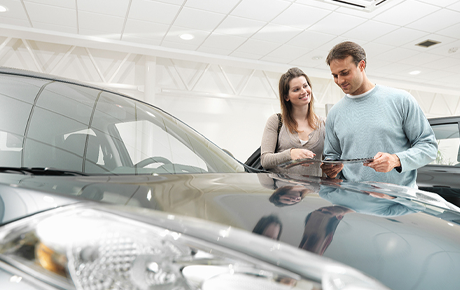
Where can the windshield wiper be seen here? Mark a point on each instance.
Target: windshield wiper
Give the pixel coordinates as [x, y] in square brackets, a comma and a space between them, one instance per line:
[41, 171]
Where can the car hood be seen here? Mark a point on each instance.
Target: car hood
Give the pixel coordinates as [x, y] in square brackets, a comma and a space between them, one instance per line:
[406, 238]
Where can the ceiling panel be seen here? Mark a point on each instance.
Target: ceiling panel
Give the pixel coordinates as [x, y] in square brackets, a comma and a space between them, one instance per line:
[337, 23]
[406, 12]
[401, 36]
[257, 47]
[310, 40]
[224, 7]
[144, 29]
[276, 33]
[441, 3]
[285, 53]
[300, 16]
[109, 7]
[54, 14]
[55, 27]
[223, 41]
[198, 19]
[422, 59]
[153, 11]
[59, 3]
[239, 26]
[453, 31]
[370, 30]
[438, 20]
[262, 10]
[100, 22]
[455, 6]
[397, 55]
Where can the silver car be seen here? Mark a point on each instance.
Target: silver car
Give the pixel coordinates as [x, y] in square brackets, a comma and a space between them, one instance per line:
[102, 191]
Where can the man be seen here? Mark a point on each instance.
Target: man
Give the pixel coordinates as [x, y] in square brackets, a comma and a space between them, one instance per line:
[374, 121]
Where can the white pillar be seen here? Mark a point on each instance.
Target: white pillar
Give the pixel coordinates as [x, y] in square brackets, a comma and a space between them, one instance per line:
[150, 79]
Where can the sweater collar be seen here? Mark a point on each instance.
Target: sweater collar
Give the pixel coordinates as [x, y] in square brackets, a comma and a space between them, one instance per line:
[361, 95]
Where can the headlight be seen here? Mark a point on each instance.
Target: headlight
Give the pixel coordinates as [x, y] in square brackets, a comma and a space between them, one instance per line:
[95, 247]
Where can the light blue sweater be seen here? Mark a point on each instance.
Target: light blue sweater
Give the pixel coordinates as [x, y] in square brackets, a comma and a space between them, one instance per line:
[385, 120]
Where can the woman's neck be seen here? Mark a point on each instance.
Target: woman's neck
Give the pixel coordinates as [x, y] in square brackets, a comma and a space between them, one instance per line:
[300, 113]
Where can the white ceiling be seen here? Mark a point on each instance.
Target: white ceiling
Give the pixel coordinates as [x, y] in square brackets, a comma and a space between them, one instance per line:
[258, 32]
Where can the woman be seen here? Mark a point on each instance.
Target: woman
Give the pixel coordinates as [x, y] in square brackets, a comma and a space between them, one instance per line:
[302, 132]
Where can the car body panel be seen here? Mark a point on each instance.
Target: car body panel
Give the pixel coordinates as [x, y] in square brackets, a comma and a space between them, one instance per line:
[65, 144]
[397, 247]
[444, 179]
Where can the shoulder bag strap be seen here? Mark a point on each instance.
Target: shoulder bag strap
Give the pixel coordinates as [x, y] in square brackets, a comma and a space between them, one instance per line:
[280, 123]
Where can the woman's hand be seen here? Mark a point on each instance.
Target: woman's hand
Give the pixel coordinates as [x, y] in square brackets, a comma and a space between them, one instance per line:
[301, 154]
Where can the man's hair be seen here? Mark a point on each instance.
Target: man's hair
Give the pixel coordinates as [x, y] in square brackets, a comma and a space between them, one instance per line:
[345, 49]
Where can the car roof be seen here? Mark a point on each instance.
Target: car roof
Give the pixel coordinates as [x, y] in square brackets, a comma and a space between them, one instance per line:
[441, 120]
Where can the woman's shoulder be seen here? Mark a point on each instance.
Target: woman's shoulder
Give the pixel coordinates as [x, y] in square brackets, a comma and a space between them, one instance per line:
[272, 123]
[273, 119]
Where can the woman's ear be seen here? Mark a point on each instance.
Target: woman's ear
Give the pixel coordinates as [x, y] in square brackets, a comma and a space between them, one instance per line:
[286, 98]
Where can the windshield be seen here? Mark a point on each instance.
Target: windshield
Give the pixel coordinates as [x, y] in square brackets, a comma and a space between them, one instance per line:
[52, 124]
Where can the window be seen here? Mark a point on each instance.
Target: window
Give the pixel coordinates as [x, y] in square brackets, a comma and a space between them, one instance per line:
[448, 139]
[143, 139]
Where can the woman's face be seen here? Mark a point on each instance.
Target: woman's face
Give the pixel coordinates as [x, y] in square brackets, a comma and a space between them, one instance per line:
[293, 196]
[299, 92]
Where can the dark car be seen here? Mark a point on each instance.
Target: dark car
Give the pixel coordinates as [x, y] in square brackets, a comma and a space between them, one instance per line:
[442, 176]
[102, 191]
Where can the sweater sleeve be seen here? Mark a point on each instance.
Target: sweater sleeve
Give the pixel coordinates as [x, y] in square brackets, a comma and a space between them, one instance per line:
[269, 159]
[332, 149]
[420, 135]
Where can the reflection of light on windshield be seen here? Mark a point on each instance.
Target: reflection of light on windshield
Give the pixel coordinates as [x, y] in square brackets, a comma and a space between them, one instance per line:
[149, 195]
[48, 199]
[225, 233]
[15, 279]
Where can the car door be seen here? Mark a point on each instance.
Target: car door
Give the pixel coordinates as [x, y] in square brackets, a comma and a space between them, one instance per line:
[442, 176]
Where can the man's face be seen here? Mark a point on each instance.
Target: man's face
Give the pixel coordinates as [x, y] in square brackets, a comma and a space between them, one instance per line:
[348, 76]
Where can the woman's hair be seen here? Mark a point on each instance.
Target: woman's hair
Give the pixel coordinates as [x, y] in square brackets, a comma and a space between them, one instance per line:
[264, 222]
[286, 106]
[346, 49]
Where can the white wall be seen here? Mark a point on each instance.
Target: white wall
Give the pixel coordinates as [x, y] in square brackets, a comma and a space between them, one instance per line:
[229, 104]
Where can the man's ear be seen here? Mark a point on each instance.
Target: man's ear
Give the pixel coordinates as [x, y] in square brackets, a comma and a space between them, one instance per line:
[362, 65]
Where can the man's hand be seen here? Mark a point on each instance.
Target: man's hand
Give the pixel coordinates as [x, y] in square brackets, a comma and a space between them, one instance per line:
[331, 170]
[384, 162]
[301, 154]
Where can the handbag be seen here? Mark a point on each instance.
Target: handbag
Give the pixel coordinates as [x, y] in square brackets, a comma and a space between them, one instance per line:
[254, 160]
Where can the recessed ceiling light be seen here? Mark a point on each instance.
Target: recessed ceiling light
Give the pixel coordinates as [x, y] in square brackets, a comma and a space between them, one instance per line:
[3, 8]
[415, 72]
[317, 57]
[187, 36]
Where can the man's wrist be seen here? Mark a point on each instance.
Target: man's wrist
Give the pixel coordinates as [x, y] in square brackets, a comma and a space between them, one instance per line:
[396, 163]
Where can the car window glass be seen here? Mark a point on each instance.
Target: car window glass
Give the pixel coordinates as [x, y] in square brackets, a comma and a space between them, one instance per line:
[65, 126]
[448, 139]
[143, 139]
